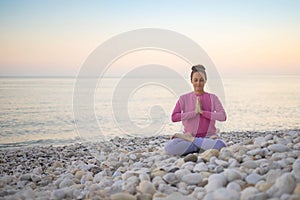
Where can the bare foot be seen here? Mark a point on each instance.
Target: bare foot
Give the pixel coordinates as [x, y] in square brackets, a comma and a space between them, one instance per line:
[213, 137]
[176, 135]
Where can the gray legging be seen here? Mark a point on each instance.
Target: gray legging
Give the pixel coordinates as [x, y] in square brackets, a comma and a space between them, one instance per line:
[178, 146]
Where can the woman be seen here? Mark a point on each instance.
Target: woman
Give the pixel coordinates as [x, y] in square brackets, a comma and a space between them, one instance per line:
[198, 111]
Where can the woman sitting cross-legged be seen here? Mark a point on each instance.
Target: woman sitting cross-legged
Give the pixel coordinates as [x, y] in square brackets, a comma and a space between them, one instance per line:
[198, 111]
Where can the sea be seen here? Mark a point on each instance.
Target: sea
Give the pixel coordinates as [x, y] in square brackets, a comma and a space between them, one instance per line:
[43, 110]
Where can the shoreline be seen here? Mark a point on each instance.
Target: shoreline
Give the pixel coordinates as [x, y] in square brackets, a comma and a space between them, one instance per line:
[77, 140]
[256, 165]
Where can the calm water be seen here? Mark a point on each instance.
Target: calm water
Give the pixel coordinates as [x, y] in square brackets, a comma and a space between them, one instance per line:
[40, 110]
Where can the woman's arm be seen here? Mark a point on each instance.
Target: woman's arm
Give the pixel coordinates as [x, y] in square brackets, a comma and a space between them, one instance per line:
[219, 112]
[177, 115]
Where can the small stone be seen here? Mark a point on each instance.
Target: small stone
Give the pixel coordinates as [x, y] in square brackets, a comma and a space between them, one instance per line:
[234, 186]
[145, 197]
[256, 152]
[224, 194]
[221, 163]
[59, 194]
[170, 178]
[66, 183]
[122, 196]
[297, 190]
[263, 186]
[248, 193]
[158, 172]
[296, 146]
[190, 158]
[268, 137]
[278, 148]
[225, 154]
[31, 185]
[200, 167]
[285, 184]
[249, 164]
[219, 169]
[157, 180]
[35, 178]
[259, 196]
[127, 175]
[79, 174]
[192, 179]
[273, 175]
[159, 196]
[278, 156]
[95, 170]
[232, 174]
[116, 187]
[25, 177]
[146, 187]
[182, 172]
[216, 181]
[177, 195]
[232, 163]
[220, 178]
[208, 154]
[259, 141]
[29, 194]
[167, 189]
[188, 165]
[253, 178]
[296, 170]
[132, 156]
[144, 177]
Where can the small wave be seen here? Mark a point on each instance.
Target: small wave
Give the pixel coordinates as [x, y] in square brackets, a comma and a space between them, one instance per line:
[42, 142]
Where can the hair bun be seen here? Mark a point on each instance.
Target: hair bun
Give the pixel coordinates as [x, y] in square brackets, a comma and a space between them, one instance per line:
[198, 68]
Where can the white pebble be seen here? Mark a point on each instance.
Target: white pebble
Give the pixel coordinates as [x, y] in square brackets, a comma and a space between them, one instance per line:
[224, 194]
[232, 174]
[253, 178]
[285, 184]
[278, 148]
[192, 179]
[248, 193]
[147, 187]
[296, 170]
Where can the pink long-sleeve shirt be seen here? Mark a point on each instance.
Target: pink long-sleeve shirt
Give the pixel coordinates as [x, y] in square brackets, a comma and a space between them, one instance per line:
[199, 125]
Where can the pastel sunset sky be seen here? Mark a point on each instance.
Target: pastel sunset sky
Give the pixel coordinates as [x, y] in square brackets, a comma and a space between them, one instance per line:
[55, 37]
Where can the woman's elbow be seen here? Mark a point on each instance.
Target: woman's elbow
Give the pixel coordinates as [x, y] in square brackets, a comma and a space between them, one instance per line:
[175, 118]
[172, 119]
[224, 117]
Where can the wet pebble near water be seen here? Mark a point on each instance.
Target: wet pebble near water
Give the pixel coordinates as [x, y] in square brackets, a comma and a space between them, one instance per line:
[254, 165]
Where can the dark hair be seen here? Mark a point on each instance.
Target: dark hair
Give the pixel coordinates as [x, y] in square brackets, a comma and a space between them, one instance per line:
[198, 68]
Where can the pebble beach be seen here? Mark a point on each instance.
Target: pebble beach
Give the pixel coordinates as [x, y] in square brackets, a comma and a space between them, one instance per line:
[254, 165]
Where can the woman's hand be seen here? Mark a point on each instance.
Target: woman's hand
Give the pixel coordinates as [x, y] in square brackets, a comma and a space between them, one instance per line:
[187, 136]
[198, 106]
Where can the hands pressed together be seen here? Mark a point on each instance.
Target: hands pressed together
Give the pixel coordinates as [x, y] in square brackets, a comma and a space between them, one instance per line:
[198, 106]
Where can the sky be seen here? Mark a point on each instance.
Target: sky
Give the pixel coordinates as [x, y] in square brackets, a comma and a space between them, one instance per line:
[54, 38]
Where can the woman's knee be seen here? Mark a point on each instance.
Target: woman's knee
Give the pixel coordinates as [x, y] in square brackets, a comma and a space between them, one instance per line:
[173, 147]
[169, 147]
[219, 144]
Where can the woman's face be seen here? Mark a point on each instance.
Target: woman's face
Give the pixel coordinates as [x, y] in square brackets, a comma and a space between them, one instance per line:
[198, 82]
